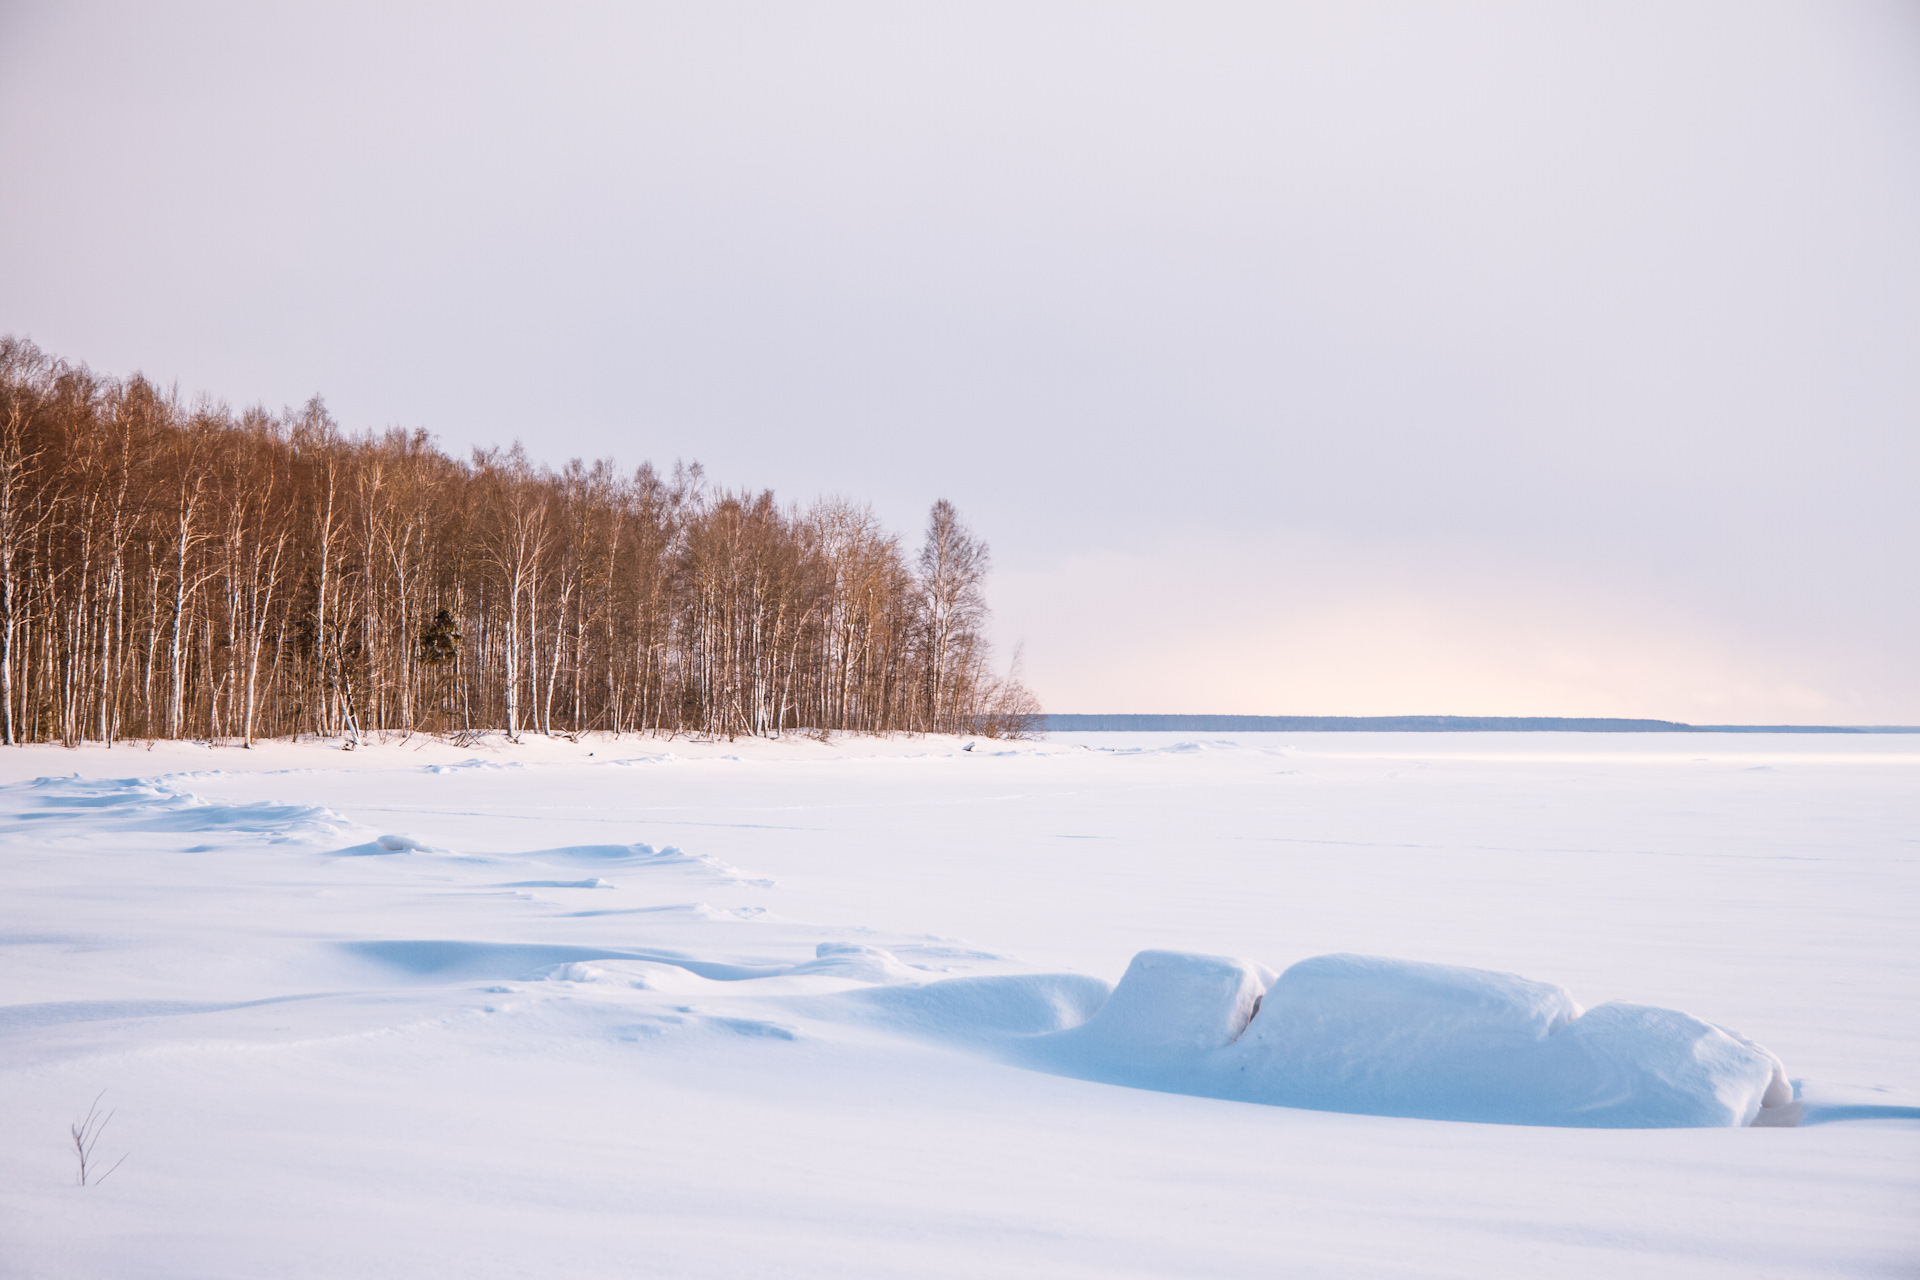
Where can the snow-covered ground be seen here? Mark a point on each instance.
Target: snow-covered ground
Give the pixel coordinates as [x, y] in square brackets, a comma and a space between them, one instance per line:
[648, 1008]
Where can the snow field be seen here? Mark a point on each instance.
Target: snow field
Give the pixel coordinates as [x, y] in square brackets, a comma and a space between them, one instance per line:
[529, 1035]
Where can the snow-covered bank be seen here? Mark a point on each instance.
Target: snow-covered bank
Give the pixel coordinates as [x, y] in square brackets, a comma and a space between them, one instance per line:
[734, 1009]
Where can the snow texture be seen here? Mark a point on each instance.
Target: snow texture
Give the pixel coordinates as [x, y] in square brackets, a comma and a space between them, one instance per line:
[523, 1013]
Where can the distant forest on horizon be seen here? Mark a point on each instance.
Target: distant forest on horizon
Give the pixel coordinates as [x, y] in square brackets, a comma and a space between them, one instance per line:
[176, 571]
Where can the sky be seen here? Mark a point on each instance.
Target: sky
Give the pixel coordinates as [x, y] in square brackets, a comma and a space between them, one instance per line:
[1344, 358]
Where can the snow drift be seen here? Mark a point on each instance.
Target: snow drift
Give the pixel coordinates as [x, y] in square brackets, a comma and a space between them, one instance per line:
[1399, 1038]
[157, 806]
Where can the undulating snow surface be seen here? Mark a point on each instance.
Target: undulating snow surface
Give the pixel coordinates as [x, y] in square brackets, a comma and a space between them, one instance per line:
[1385, 1005]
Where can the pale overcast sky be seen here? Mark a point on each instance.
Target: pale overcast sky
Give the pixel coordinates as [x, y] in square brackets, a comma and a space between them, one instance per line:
[1520, 358]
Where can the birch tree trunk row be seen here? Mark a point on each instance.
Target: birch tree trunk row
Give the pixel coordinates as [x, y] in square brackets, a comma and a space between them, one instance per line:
[169, 571]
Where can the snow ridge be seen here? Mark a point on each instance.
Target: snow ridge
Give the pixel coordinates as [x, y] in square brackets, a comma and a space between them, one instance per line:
[1378, 1036]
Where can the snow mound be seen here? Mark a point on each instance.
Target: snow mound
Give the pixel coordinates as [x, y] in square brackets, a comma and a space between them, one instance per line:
[1391, 1037]
[1378, 1036]
[392, 842]
[1171, 1004]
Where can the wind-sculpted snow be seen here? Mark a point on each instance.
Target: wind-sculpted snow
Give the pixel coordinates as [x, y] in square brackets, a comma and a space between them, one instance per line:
[987, 1011]
[1358, 1034]
[1334, 1033]
[439, 960]
[494, 992]
[157, 806]
[391, 842]
[591, 882]
[1400, 1038]
[637, 856]
[645, 856]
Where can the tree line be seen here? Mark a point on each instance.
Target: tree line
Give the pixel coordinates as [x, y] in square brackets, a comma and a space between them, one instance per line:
[175, 571]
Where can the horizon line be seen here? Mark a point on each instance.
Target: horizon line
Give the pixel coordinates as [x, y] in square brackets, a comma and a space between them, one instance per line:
[1122, 722]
